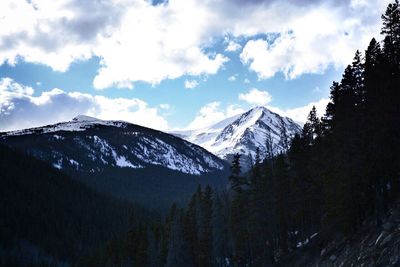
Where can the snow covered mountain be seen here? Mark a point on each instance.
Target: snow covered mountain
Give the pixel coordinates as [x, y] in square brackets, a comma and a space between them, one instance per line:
[112, 151]
[114, 143]
[243, 133]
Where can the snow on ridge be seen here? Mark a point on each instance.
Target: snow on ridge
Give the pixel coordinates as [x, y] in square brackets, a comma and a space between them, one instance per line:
[85, 118]
[80, 123]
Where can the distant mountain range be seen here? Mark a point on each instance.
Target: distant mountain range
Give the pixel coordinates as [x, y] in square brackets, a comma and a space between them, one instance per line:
[242, 134]
[149, 166]
[123, 159]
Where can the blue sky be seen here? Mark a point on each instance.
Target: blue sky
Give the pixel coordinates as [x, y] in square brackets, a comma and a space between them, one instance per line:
[178, 64]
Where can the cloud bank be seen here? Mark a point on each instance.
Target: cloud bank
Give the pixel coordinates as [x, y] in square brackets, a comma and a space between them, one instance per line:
[19, 108]
[137, 41]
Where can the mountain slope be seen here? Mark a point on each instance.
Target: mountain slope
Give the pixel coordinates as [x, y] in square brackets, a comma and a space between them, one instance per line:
[243, 133]
[48, 219]
[122, 159]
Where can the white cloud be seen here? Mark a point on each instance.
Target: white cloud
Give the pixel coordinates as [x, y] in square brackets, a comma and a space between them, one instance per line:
[232, 46]
[310, 42]
[300, 114]
[256, 97]
[19, 108]
[124, 84]
[138, 41]
[134, 40]
[246, 80]
[212, 113]
[165, 106]
[190, 84]
[232, 78]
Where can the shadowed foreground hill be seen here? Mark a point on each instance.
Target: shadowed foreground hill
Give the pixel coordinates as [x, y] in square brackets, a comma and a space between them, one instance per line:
[47, 217]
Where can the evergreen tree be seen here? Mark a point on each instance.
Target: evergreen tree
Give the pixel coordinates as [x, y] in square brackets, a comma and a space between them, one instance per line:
[177, 252]
[205, 232]
[283, 136]
[391, 31]
[222, 234]
[237, 181]
[375, 128]
[153, 250]
[281, 202]
[190, 228]
[269, 146]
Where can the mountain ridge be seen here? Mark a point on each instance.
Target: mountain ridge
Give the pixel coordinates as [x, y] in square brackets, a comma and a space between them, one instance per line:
[122, 159]
[83, 123]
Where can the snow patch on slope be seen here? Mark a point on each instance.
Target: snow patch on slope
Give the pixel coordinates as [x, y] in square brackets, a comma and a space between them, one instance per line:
[158, 152]
[122, 162]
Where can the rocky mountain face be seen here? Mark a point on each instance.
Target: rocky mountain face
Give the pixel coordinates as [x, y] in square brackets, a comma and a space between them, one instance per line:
[122, 159]
[243, 133]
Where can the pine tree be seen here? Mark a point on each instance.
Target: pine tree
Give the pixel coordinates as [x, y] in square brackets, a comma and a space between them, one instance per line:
[391, 31]
[281, 180]
[153, 250]
[375, 127]
[312, 128]
[283, 136]
[269, 146]
[222, 234]
[177, 252]
[190, 228]
[205, 232]
[236, 180]
[390, 88]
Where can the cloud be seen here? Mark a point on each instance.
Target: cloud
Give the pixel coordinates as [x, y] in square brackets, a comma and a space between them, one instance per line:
[127, 35]
[165, 106]
[246, 80]
[322, 36]
[138, 41]
[190, 84]
[300, 114]
[256, 97]
[54, 33]
[19, 108]
[232, 78]
[212, 113]
[232, 46]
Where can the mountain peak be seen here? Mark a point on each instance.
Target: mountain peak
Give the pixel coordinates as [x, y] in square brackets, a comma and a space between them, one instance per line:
[259, 108]
[244, 133]
[262, 109]
[85, 118]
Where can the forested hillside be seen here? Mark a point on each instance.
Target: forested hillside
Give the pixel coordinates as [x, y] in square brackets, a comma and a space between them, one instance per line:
[50, 219]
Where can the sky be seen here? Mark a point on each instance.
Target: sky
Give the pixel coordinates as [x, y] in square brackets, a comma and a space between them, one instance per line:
[177, 64]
